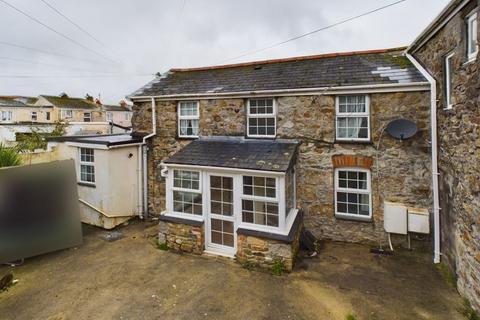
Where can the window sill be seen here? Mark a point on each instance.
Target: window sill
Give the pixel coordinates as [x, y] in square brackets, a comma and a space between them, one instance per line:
[353, 218]
[366, 142]
[471, 59]
[86, 184]
[191, 221]
[188, 137]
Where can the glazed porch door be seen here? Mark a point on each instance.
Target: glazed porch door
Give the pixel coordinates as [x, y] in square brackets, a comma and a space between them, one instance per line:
[220, 225]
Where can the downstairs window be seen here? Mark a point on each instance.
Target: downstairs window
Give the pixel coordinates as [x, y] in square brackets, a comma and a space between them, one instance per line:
[353, 193]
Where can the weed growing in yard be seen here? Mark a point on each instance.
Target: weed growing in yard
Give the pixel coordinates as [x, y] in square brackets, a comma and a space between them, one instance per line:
[162, 246]
[469, 312]
[351, 317]
[447, 274]
[248, 265]
[9, 157]
[278, 267]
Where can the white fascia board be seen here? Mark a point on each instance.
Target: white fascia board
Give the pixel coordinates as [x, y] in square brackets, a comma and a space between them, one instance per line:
[87, 145]
[379, 88]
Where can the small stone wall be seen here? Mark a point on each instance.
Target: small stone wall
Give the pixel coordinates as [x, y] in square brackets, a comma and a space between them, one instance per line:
[182, 237]
[264, 253]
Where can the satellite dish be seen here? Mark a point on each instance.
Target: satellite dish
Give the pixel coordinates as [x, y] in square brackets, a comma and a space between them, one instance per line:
[402, 129]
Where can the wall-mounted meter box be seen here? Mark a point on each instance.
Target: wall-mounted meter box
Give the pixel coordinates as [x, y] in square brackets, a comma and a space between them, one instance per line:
[418, 220]
[395, 217]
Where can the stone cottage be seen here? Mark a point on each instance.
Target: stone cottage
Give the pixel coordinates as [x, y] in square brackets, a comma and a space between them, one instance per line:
[448, 52]
[242, 156]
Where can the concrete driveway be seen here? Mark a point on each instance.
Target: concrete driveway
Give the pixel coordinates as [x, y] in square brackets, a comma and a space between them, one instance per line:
[132, 279]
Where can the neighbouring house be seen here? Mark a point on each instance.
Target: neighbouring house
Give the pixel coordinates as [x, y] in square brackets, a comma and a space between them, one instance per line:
[109, 175]
[20, 115]
[448, 51]
[120, 114]
[242, 156]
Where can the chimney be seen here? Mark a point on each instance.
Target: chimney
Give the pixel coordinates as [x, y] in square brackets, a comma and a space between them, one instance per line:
[97, 101]
[89, 97]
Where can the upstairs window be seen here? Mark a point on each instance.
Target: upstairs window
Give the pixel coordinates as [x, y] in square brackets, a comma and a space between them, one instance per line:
[262, 118]
[67, 114]
[188, 119]
[472, 36]
[448, 71]
[87, 167]
[109, 116]
[6, 116]
[87, 117]
[47, 115]
[34, 116]
[128, 116]
[353, 193]
[353, 118]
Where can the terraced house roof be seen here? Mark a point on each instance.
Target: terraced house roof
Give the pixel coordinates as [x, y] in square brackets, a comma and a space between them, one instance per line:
[388, 66]
[70, 103]
[17, 101]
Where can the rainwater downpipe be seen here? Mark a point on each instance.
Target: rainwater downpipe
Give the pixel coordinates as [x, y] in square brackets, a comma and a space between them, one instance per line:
[435, 174]
[145, 160]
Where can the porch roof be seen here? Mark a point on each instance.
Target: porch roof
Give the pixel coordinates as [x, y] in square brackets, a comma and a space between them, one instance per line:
[237, 153]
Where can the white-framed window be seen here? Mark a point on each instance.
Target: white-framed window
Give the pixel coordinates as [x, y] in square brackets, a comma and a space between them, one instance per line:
[67, 114]
[448, 70]
[259, 201]
[353, 197]
[353, 118]
[47, 115]
[262, 118]
[87, 165]
[6, 115]
[34, 116]
[188, 119]
[128, 116]
[472, 35]
[187, 193]
[109, 116]
[87, 117]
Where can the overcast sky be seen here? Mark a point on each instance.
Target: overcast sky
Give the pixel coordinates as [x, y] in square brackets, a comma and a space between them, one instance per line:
[143, 37]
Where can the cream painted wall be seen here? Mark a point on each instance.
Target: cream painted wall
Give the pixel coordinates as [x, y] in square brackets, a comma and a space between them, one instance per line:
[120, 117]
[25, 114]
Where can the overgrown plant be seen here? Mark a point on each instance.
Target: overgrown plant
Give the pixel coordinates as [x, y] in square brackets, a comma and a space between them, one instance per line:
[469, 312]
[278, 267]
[9, 157]
[351, 317]
[35, 139]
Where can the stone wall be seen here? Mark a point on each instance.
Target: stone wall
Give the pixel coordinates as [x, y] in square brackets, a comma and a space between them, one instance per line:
[459, 153]
[400, 171]
[265, 253]
[182, 237]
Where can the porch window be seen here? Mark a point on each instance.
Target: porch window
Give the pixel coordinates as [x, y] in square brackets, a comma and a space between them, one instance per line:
[257, 208]
[353, 193]
[261, 118]
[87, 167]
[353, 118]
[472, 36]
[188, 119]
[6, 115]
[187, 196]
[290, 190]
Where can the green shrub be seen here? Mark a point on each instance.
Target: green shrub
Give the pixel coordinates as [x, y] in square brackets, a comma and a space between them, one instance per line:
[9, 157]
[278, 267]
[162, 246]
[351, 317]
[469, 312]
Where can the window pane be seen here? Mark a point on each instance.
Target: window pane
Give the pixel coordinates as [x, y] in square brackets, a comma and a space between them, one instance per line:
[187, 202]
[262, 187]
[355, 201]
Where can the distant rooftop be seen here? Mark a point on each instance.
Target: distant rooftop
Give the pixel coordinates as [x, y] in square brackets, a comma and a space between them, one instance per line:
[385, 66]
[237, 152]
[70, 103]
[17, 101]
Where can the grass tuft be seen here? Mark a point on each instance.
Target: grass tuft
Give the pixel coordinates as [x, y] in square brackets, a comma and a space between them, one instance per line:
[447, 274]
[351, 317]
[278, 267]
[468, 312]
[162, 246]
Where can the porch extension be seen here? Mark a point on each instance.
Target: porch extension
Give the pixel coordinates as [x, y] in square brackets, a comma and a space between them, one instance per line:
[234, 197]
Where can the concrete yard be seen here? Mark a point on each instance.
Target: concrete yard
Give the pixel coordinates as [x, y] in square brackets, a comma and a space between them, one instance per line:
[131, 279]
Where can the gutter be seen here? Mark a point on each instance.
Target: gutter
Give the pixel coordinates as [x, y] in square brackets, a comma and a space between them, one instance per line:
[435, 174]
[144, 148]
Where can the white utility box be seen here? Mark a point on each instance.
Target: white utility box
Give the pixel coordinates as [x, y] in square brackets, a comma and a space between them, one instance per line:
[418, 220]
[395, 217]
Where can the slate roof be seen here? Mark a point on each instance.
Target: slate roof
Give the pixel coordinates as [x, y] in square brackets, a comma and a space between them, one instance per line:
[70, 103]
[110, 107]
[17, 101]
[237, 153]
[388, 66]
